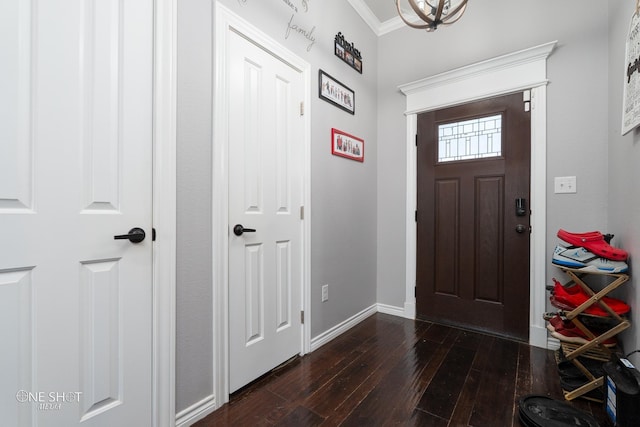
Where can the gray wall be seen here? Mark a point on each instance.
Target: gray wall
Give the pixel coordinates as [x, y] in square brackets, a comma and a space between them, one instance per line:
[577, 107]
[194, 352]
[343, 192]
[624, 173]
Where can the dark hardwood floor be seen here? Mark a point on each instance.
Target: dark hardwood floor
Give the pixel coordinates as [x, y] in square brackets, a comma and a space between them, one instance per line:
[392, 371]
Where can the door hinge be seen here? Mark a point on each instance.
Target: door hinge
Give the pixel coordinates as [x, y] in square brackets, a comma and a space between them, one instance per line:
[415, 290]
[301, 212]
[416, 139]
[302, 108]
[526, 99]
[153, 234]
[302, 317]
[416, 215]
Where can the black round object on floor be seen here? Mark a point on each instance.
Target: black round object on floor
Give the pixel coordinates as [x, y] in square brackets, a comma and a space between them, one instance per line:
[543, 411]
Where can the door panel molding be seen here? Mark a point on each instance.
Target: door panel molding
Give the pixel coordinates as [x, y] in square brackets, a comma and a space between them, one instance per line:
[18, 90]
[101, 88]
[101, 336]
[227, 22]
[522, 70]
[17, 319]
[490, 220]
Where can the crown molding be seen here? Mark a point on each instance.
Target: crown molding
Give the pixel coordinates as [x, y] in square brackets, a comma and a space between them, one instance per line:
[520, 70]
[366, 14]
[391, 25]
[379, 28]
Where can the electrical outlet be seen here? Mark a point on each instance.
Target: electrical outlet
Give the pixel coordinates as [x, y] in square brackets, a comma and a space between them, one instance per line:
[564, 184]
[325, 293]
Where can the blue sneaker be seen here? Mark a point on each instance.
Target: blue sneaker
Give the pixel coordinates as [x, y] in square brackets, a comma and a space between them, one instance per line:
[578, 258]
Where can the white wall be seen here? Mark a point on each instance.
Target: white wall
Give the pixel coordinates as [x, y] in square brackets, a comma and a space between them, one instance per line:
[623, 203]
[577, 107]
[343, 192]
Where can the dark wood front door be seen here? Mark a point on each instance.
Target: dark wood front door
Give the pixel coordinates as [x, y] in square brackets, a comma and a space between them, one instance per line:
[472, 244]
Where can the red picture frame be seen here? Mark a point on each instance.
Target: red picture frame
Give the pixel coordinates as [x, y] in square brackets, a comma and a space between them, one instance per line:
[346, 145]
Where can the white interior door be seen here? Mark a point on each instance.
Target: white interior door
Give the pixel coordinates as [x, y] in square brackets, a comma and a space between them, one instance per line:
[75, 170]
[265, 194]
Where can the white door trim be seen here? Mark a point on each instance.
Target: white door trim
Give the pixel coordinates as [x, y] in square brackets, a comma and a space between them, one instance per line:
[164, 212]
[226, 21]
[522, 70]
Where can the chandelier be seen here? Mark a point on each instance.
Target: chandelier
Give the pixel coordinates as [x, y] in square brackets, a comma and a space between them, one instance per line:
[433, 12]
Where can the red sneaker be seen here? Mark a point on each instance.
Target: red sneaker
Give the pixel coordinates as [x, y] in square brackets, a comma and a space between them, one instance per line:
[568, 332]
[557, 322]
[594, 242]
[575, 296]
[563, 306]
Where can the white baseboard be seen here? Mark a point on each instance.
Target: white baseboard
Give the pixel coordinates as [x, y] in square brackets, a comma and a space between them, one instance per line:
[410, 310]
[341, 328]
[196, 412]
[538, 336]
[390, 309]
[553, 343]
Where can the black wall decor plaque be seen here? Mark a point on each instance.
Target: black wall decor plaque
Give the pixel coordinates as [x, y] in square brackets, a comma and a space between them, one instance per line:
[348, 53]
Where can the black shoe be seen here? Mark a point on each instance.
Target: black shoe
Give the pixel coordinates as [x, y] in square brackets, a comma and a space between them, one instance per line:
[542, 411]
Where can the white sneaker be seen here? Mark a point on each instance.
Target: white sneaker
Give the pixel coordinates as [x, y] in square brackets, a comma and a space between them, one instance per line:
[581, 259]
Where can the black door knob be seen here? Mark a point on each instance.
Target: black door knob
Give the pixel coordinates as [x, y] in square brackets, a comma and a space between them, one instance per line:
[521, 228]
[239, 229]
[135, 235]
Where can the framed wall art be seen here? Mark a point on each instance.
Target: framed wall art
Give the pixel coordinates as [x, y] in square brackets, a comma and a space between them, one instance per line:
[334, 92]
[631, 89]
[348, 146]
[348, 53]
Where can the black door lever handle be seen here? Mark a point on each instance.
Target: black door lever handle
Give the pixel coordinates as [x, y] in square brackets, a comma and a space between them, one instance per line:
[239, 229]
[135, 235]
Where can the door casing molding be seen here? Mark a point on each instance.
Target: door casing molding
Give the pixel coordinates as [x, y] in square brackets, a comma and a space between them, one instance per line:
[164, 212]
[518, 71]
[226, 21]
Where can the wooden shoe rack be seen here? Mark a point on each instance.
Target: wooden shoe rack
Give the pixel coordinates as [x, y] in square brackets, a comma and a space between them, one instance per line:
[594, 349]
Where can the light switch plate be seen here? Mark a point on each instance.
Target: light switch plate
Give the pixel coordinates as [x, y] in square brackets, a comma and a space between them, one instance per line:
[565, 184]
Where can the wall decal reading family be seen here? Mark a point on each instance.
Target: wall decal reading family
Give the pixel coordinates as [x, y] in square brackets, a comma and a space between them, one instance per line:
[297, 28]
[294, 26]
